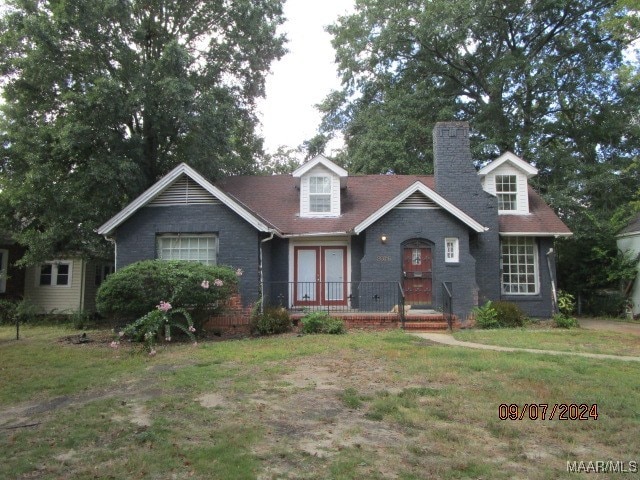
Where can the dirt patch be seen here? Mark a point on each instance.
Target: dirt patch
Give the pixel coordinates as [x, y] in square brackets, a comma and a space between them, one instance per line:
[611, 326]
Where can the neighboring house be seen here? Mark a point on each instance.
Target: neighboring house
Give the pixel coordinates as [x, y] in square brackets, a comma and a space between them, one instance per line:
[320, 237]
[59, 286]
[629, 242]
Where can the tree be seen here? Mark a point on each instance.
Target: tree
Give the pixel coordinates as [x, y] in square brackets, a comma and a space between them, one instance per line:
[104, 97]
[547, 80]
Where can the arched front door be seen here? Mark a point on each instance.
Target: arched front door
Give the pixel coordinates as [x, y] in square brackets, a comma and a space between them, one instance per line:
[417, 272]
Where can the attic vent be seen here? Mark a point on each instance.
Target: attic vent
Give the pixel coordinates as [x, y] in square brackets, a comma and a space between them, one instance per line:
[417, 201]
[184, 191]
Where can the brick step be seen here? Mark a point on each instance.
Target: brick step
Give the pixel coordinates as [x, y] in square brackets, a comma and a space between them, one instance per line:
[426, 325]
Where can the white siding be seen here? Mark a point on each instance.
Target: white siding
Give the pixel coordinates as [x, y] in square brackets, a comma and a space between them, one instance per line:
[489, 185]
[55, 298]
[319, 170]
[631, 244]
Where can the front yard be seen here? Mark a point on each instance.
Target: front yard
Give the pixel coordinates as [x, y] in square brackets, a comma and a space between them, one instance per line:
[362, 405]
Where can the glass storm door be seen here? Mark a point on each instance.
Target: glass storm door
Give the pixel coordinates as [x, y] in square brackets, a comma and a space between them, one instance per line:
[320, 274]
[416, 273]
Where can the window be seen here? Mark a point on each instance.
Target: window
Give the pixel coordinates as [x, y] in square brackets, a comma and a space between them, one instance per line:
[451, 250]
[55, 274]
[102, 272]
[507, 190]
[193, 248]
[519, 266]
[319, 194]
[4, 261]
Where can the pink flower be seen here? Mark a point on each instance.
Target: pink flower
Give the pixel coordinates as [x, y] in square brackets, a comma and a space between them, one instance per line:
[239, 272]
[218, 283]
[164, 306]
[205, 284]
[114, 344]
[152, 353]
[192, 328]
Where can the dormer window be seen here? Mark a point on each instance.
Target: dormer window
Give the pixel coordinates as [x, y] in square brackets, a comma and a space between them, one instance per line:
[319, 194]
[507, 192]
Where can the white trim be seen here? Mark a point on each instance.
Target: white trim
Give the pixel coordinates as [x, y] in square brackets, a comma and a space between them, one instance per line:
[311, 236]
[420, 187]
[4, 269]
[536, 272]
[535, 234]
[157, 188]
[456, 250]
[184, 236]
[628, 234]
[512, 158]
[319, 159]
[54, 274]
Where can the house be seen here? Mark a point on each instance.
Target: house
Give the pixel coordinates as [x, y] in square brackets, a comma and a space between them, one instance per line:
[65, 285]
[628, 241]
[320, 238]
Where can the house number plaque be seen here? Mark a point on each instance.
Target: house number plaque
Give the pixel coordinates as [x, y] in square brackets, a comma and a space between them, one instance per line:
[383, 258]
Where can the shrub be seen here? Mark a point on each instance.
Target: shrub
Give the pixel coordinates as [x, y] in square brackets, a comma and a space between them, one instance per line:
[136, 289]
[8, 311]
[566, 302]
[509, 314]
[561, 320]
[321, 322]
[80, 319]
[486, 316]
[271, 322]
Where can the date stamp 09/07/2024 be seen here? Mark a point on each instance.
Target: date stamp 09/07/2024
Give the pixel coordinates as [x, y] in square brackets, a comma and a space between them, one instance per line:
[567, 411]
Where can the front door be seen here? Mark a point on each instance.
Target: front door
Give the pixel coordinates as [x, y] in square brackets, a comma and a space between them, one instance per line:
[320, 275]
[416, 273]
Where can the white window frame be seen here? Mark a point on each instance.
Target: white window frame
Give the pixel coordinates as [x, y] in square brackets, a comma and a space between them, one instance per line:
[54, 274]
[160, 238]
[511, 194]
[4, 269]
[451, 250]
[514, 257]
[324, 195]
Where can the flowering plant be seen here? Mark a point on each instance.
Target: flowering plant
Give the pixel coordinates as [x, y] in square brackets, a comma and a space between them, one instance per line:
[162, 318]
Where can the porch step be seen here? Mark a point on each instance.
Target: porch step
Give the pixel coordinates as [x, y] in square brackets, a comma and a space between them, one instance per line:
[429, 323]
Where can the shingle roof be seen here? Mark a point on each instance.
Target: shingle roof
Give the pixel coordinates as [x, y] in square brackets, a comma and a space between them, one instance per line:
[276, 200]
[632, 227]
[541, 220]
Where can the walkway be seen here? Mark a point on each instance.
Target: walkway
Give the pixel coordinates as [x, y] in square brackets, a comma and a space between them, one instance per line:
[447, 339]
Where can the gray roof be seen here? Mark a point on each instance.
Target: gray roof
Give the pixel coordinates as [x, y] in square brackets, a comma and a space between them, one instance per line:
[632, 227]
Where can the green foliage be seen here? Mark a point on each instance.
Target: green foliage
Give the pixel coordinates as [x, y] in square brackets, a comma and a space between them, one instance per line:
[509, 315]
[566, 303]
[21, 310]
[7, 311]
[102, 98]
[605, 303]
[133, 291]
[157, 322]
[561, 320]
[322, 322]
[272, 321]
[80, 320]
[486, 316]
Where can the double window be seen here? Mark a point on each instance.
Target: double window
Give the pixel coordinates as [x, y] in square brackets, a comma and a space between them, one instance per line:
[193, 248]
[103, 270]
[519, 266]
[56, 273]
[320, 194]
[507, 192]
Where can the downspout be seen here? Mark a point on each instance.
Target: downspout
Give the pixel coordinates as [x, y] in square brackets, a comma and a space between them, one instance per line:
[554, 293]
[115, 250]
[83, 275]
[260, 256]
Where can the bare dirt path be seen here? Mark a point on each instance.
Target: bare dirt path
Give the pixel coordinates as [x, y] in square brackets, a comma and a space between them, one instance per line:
[610, 325]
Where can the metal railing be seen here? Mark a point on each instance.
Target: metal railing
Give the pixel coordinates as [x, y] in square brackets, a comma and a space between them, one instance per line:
[336, 297]
[447, 304]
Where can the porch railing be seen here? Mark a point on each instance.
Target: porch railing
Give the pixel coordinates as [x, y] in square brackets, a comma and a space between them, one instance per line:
[338, 297]
[447, 304]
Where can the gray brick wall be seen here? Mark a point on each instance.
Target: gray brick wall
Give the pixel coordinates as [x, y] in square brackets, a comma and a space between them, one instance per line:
[238, 241]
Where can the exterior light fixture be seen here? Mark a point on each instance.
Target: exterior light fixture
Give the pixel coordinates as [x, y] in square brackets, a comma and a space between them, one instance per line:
[383, 238]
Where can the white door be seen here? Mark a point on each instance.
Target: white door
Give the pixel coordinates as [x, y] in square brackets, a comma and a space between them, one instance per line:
[306, 274]
[334, 286]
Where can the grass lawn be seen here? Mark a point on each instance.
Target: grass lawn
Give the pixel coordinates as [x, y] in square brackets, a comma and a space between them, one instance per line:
[361, 405]
[573, 340]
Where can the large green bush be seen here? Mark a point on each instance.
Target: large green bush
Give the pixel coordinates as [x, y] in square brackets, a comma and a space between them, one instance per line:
[136, 290]
[321, 322]
[509, 314]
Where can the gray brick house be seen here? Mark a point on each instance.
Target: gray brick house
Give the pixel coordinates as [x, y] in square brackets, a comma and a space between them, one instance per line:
[322, 238]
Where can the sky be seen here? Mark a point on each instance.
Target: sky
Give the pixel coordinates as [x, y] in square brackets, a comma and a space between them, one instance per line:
[303, 77]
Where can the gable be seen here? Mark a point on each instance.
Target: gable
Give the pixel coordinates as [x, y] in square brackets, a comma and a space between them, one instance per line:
[417, 201]
[183, 191]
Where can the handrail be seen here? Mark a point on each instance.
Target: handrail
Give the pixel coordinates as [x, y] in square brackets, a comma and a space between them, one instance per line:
[401, 304]
[447, 304]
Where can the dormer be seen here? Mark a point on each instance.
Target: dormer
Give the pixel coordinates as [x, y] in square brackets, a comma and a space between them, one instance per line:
[320, 181]
[507, 178]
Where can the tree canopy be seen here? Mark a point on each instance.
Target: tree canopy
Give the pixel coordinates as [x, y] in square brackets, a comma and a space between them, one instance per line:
[547, 80]
[103, 97]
